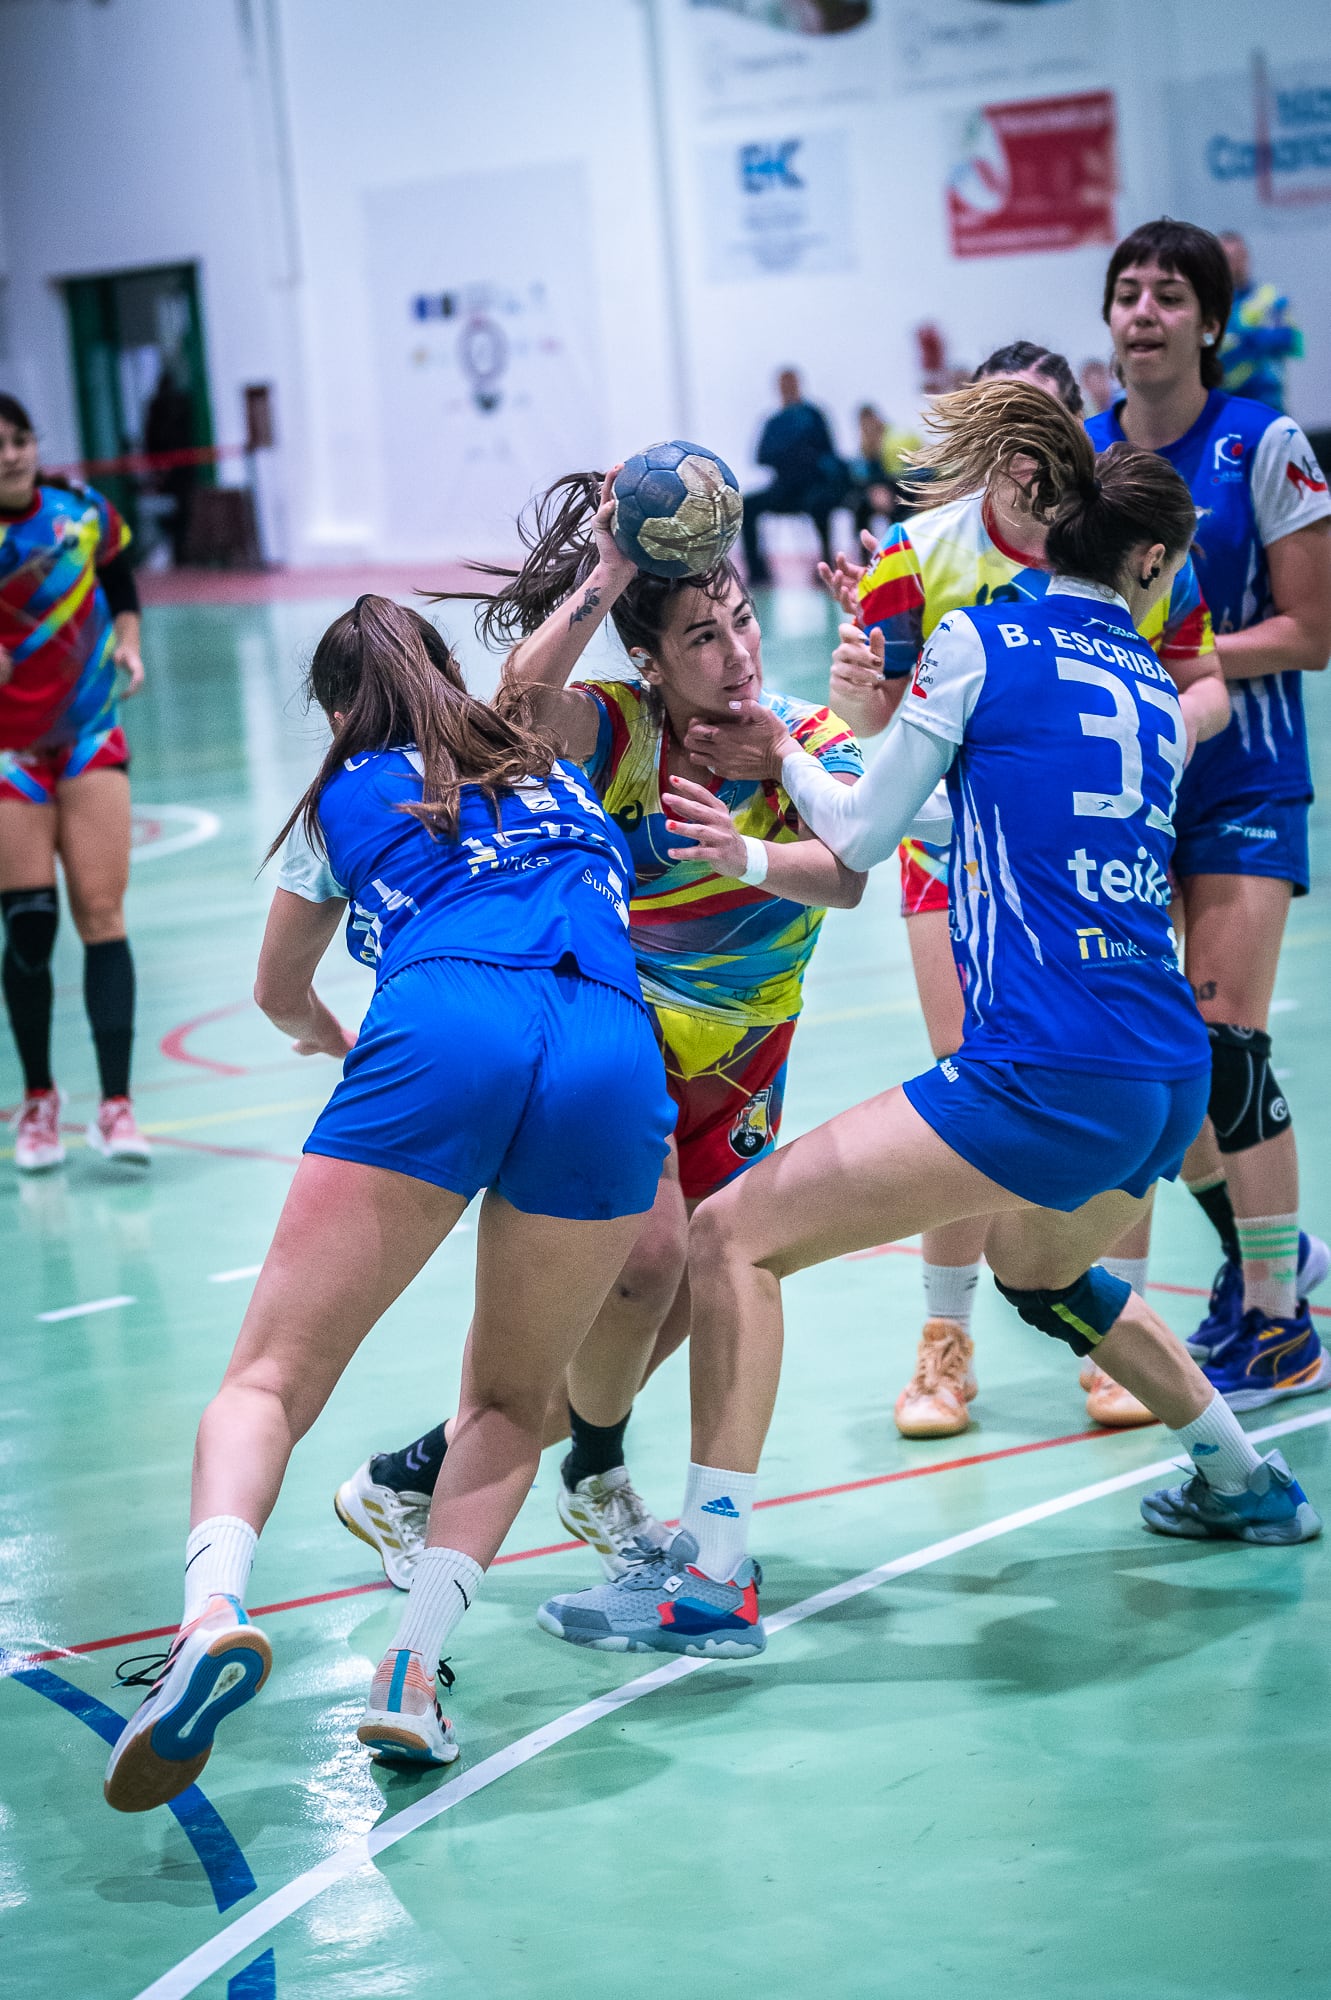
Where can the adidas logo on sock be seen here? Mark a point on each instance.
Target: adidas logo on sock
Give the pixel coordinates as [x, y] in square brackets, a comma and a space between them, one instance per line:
[725, 1507]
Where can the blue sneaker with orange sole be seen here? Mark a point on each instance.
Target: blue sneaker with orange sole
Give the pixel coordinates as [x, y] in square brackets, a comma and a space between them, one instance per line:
[217, 1663]
[1224, 1308]
[1273, 1508]
[1268, 1360]
[663, 1604]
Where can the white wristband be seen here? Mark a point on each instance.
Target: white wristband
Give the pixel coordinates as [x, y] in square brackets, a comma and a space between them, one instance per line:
[754, 872]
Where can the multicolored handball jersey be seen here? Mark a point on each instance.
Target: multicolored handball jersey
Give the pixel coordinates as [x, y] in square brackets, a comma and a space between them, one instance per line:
[54, 620]
[716, 958]
[950, 559]
[1254, 478]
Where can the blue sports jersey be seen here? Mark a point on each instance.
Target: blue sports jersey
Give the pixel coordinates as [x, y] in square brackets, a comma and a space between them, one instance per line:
[1255, 480]
[1062, 792]
[542, 878]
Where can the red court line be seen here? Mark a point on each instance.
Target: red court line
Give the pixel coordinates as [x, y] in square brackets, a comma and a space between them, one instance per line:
[1152, 1284]
[225, 1152]
[565, 1548]
[173, 1043]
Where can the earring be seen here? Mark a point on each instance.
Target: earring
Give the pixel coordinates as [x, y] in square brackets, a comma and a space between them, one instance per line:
[1208, 340]
[1149, 578]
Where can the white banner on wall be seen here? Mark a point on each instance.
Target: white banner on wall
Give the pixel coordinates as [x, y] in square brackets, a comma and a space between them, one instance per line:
[1253, 148]
[777, 206]
[943, 44]
[486, 349]
[768, 55]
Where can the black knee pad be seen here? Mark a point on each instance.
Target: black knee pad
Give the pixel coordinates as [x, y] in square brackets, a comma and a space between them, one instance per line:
[30, 918]
[1247, 1104]
[1081, 1314]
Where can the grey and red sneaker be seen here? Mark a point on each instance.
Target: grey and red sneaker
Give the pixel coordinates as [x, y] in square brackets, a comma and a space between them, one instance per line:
[663, 1604]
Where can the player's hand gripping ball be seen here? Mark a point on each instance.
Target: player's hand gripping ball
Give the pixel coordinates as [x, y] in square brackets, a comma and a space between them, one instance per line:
[677, 509]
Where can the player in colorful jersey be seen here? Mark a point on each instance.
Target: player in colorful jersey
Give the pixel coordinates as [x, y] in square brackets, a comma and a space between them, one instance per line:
[69, 627]
[984, 548]
[721, 942]
[1263, 553]
[1084, 1071]
[482, 880]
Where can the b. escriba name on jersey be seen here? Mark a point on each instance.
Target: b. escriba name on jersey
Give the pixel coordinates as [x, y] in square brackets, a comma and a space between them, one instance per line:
[1141, 661]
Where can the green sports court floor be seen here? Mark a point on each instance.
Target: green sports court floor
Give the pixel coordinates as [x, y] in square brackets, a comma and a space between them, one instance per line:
[1003, 1742]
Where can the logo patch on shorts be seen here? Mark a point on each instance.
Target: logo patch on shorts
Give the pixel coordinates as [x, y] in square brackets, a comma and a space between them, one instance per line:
[753, 1128]
[949, 1069]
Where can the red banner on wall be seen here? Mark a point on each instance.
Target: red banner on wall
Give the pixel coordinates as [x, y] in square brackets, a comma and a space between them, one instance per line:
[1035, 176]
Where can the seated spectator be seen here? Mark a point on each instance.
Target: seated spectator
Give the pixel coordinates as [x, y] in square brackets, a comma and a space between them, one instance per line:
[1259, 339]
[809, 478]
[877, 469]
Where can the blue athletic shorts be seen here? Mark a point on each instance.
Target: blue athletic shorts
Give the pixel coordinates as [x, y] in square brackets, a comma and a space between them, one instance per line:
[1245, 839]
[1058, 1137]
[541, 1084]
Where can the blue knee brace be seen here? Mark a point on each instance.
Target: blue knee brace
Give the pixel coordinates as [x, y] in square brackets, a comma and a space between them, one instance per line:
[1081, 1314]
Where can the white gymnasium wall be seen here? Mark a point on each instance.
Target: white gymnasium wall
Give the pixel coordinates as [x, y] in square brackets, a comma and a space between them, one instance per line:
[327, 162]
[390, 105]
[128, 139]
[850, 328]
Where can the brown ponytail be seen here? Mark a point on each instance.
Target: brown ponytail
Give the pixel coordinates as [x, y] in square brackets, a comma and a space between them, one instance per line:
[392, 679]
[1096, 509]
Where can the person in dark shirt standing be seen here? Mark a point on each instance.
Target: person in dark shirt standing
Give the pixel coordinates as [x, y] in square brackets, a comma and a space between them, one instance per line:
[796, 444]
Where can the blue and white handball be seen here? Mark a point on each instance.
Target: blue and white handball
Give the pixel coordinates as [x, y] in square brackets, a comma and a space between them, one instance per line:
[677, 509]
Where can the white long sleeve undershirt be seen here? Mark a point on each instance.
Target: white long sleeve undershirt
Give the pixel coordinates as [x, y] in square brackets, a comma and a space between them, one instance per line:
[897, 799]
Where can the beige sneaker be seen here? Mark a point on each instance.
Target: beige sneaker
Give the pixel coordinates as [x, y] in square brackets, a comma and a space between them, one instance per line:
[1109, 1403]
[933, 1403]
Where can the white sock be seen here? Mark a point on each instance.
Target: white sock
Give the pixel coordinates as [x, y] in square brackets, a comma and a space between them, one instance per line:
[1132, 1270]
[444, 1585]
[1269, 1247]
[219, 1556]
[716, 1510]
[1218, 1447]
[949, 1292]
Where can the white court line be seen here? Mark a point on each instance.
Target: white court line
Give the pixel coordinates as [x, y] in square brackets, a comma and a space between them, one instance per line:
[245, 1932]
[92, 1306]
[241, 1271]
[197, 826]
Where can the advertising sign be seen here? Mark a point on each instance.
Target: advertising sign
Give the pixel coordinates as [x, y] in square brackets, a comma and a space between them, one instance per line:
[776, 205]
[946, 44]
[1040, 175]
[1253, 150]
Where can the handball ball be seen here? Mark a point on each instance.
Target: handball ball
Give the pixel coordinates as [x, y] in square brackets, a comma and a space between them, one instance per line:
[677, 509]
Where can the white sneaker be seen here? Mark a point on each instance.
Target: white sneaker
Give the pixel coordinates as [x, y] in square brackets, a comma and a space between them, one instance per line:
[217, 1663]
[392, 1523]
[604, 1511]
[37, 1142]
[403, 1722]
[114, 1133]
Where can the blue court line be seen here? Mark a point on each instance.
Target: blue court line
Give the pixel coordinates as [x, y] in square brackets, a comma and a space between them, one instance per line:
[258, 1980]
[228, 1872]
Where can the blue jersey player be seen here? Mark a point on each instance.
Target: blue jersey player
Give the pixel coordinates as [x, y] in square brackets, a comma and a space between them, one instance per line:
[1084, 1070]
[482, 881]
[1263, 556]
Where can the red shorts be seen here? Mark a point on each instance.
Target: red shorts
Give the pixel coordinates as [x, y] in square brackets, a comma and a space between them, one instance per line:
[33, 775]
[729, 1116]
[923, 877]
